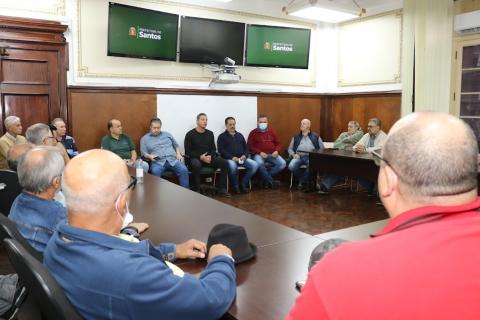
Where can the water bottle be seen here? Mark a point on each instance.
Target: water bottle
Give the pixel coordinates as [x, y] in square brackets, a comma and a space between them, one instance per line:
[139, 170]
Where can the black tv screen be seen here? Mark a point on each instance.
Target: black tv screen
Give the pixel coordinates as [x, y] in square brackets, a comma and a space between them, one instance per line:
[141, 33]
[210, 41]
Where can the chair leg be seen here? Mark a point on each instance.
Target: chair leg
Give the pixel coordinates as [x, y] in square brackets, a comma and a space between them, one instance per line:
[291, 180]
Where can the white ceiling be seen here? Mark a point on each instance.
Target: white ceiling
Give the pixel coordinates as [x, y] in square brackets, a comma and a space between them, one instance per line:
[273, 8]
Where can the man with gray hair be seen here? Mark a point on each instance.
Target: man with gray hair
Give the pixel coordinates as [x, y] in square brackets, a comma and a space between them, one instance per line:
[424, 263]
[13, 126]
[345, 141]
[34, 211]
[374, 139]
[108, 277]
[41, 134]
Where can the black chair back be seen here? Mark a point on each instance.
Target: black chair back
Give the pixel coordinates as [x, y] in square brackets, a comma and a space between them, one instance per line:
[8, 230]
[9, 189]
[47, 293]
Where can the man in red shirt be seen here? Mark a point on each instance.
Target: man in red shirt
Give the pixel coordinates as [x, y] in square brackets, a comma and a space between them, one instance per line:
[264, 146]
[425, 263]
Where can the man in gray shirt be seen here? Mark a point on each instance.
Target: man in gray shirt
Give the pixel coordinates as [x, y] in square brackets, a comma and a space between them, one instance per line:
[161, 148]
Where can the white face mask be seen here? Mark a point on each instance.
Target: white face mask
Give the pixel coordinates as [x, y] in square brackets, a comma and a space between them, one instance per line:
[128, 216]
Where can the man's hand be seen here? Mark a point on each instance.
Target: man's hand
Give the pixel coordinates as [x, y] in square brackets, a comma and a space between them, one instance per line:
[275, 154]
[243, 158]
[360, 148]
[191, 249]
[150, 157]
[263, 155]
[235, 159]
[140, 226]
[205, 158]
[296, 156]
[179, 157]
[218, 250]
[129, 162]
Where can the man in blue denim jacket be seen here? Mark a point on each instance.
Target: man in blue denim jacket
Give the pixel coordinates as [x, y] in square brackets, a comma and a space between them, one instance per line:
[110, 277]
[34, 211]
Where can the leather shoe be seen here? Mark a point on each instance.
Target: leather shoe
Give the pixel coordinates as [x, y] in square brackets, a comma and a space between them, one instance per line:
[323, 190]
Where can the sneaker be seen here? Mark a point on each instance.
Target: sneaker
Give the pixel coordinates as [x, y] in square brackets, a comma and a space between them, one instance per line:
[323, 190]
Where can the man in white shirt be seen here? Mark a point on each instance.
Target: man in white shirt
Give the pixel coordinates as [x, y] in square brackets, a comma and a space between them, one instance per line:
[371, 141]
[374, 139]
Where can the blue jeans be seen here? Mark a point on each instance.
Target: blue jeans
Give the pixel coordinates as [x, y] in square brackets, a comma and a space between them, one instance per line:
[179, 168]
[300, 174]
[329, 180]
[278, 165]
[251, 168]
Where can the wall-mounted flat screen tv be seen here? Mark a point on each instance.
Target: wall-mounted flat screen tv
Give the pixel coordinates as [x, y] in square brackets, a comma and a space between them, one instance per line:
[270, 46]
[141, 33]
[210, 41]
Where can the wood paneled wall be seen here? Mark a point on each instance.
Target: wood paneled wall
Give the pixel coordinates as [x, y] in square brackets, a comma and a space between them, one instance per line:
[90, 108]
[90, 111]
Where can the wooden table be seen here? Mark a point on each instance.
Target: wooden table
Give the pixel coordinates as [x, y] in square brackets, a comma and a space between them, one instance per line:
[344, 163]
[266, 284]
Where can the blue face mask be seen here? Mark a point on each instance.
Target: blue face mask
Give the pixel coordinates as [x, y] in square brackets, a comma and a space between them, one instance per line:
[263, 126]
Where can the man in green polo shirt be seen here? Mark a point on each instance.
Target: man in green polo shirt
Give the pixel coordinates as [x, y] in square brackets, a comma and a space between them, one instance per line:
[121, 144]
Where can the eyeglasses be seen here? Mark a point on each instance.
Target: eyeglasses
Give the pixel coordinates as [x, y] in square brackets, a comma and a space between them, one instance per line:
[379, 156]
[132, 184]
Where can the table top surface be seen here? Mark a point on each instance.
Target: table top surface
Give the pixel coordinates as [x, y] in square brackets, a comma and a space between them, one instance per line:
[344, 154]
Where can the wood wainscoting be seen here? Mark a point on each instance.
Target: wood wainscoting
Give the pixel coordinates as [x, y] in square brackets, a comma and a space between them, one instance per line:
[90, 108]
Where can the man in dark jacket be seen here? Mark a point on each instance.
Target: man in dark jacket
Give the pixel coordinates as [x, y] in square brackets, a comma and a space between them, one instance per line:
[233, 147]
[201, 151]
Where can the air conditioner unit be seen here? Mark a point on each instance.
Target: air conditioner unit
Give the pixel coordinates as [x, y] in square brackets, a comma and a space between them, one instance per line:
[467, 22]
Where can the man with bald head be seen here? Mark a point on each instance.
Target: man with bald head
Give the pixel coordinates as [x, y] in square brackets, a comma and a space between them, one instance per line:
[424, 263]
[13, 126]
[107, 277]
[121, 144]
[304, 142]
[14, 154]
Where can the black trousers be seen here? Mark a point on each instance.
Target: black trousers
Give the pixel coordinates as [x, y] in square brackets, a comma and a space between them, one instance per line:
[217, 163]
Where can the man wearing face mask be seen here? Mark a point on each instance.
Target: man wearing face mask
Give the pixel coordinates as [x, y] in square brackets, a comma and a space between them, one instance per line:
[35, 211]
[161, 148]
[263, 143]
[106, 277]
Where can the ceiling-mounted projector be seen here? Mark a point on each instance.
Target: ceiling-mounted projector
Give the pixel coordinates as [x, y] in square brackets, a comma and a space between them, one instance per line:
[224, 74]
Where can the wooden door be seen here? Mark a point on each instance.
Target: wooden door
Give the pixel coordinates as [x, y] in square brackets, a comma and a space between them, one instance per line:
[32, 71]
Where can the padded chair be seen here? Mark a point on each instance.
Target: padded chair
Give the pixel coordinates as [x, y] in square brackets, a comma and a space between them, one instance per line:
[9, 190]
[47, 293]
[8, 230]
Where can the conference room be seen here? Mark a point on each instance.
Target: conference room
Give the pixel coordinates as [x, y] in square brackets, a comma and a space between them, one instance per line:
[307, 74]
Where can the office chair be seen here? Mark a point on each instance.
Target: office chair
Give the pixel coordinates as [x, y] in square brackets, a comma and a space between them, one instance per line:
[45, 290]
[8, 230]
[9, 190]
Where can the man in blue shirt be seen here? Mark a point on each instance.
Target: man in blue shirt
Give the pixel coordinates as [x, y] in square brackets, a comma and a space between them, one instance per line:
[62, 137]
[108, 277]
[233, 147]
[34, 211]
[161, 148]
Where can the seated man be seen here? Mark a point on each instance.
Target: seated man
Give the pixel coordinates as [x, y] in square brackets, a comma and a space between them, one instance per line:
[161, 148]
[424, 263]
[121, 144]
[371, 141]
[233, 147]
[40, 134]
[15, 153]
[265, 147]
[200, 148]
[108, 277]
[300, 144]
[35, 213]
[62, 137]
[345, 141]
[13, 126]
